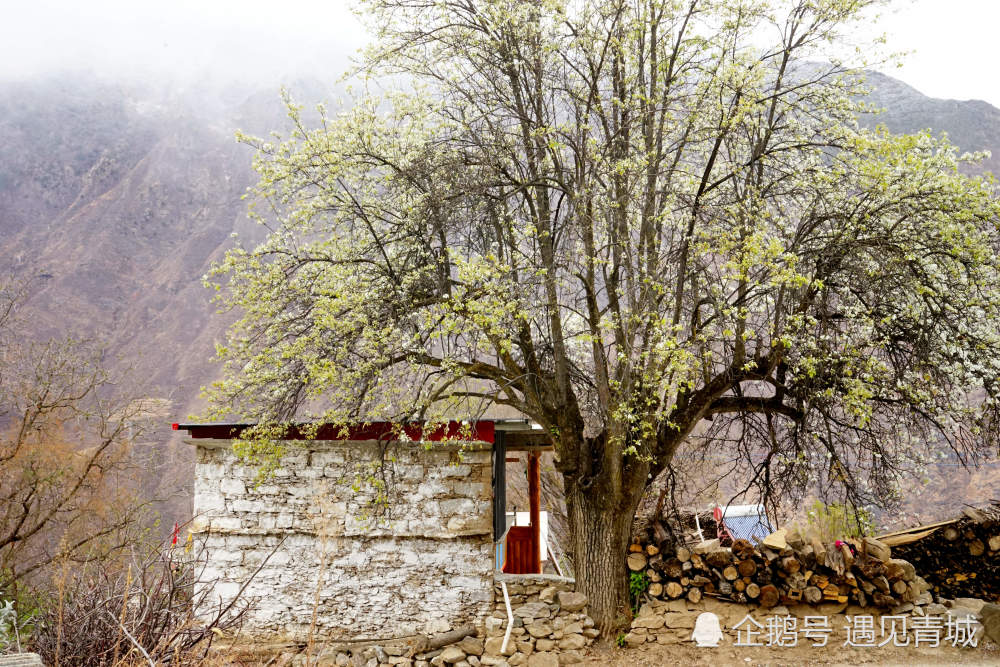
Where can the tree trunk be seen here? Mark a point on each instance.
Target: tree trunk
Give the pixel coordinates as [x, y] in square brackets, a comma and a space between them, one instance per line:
[600, 531]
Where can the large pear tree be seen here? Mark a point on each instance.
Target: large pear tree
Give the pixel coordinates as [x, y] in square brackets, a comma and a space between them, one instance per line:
[625, 219]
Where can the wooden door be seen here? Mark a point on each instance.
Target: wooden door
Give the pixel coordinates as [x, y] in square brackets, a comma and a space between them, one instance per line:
[521, 552]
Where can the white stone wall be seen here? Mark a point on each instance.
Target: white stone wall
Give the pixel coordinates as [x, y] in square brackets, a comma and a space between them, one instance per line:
[425, 567]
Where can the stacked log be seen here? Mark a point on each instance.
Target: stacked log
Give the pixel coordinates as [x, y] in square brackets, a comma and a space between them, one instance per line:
[785, 568]
[959, 558]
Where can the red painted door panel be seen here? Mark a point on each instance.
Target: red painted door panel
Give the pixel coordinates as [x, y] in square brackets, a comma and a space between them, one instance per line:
[522, 551]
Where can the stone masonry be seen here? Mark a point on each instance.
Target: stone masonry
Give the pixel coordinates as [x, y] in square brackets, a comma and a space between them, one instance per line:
[672, 621]
[424, 568]
[551, 628]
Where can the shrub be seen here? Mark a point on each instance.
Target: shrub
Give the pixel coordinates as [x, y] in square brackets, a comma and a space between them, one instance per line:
[836, 521]
[638, 583]
[153, 607]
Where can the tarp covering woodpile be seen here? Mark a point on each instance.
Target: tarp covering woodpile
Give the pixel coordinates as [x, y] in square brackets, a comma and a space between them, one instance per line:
[959, 557]
[745, 522]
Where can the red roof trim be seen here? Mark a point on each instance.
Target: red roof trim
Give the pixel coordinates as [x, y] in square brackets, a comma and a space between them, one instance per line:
[483, 431]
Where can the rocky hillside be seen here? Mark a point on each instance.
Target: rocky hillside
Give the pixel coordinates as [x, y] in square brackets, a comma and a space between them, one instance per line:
[118, 199]
[118, 205]
[114, 202]
[972, 125]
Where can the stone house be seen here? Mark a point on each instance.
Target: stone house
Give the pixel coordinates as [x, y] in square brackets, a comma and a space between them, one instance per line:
[425, 565]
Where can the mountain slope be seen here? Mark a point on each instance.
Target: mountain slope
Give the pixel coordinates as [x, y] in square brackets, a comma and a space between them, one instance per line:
[119, 206]
[119, 200]
[972, 125]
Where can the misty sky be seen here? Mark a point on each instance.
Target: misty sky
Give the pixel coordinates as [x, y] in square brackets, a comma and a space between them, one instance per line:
[253, 40]
[249, 40]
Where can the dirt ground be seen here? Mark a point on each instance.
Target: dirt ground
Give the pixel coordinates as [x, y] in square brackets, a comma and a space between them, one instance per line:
[655, 655]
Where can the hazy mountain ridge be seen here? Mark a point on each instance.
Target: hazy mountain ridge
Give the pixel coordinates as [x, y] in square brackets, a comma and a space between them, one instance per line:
[972, 125]
[54, 138]
[118, 201]
[120, 206]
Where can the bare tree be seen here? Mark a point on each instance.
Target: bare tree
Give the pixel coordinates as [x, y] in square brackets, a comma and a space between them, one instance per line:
[67, 487]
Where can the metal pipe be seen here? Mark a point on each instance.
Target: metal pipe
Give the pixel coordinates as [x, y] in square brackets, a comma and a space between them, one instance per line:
[555, 561]
[510, 618]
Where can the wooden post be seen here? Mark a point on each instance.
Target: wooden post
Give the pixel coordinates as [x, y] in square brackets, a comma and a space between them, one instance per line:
[534, 499]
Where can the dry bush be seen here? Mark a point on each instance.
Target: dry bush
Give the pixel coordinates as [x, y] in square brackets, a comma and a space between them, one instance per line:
[153, 607]
[76, 556]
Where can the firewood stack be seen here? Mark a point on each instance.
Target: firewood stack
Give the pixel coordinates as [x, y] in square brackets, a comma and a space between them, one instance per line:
[785, 568]
[959, 558]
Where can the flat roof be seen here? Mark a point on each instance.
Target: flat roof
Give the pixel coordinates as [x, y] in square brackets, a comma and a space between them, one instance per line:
[518, 433]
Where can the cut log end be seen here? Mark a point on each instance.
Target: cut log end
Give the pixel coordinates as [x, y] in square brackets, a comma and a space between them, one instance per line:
[812, 595]
[637, 562]
[976, 548]
[768, 596]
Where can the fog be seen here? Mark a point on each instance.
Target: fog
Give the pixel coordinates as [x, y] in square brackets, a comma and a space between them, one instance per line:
[257, 44]
[179, 42]
[949, 46]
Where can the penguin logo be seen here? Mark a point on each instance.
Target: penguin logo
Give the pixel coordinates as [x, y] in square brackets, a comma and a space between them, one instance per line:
[707, 631]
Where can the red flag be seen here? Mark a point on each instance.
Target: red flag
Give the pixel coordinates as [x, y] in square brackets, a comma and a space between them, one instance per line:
[177, 529]
[719, 517]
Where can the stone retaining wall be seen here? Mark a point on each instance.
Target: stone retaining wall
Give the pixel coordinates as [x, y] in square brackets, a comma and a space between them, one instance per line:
[21, 660]
[673, 621]
[427, 565]
[550, 628]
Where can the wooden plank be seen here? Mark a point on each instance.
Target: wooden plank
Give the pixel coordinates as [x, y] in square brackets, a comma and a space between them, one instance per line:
[925, 527]
[905, 538]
